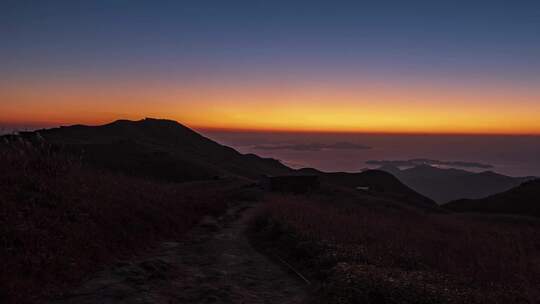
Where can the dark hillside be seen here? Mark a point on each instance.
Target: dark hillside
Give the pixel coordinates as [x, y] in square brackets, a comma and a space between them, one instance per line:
[378, 182]
[61, 220]
[523, 200]
[168, 150]
[362, 252]
[158, 148]
[444, 185]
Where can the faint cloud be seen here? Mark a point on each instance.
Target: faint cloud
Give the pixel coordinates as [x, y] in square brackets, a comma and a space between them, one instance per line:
[431, 162]
[313, 147]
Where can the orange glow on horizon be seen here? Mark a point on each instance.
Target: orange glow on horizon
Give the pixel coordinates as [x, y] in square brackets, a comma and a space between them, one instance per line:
[368, 109]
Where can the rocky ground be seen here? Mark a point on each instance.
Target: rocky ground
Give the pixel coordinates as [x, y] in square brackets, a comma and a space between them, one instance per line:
[214, 263]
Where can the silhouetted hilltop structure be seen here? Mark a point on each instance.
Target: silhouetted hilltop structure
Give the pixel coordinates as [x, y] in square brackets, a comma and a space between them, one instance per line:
[523, 199]
[444, 185]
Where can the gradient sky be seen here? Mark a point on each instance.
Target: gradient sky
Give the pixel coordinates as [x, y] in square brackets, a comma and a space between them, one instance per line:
[368, 66]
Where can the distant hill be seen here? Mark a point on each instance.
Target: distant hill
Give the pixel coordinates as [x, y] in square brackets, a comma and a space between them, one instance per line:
[444, 185]
[379, 182]
[523, 199]
[168, 150]
[159, 148]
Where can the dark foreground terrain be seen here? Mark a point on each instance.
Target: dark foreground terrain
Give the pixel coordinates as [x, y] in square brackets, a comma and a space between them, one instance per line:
[213, 263]
[361, 252]
[61, 220]
[80, 226]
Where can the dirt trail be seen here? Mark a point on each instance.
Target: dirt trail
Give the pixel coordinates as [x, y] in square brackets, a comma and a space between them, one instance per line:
[214, 263]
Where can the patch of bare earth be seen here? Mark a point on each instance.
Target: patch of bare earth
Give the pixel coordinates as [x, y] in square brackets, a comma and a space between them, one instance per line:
[214, 263]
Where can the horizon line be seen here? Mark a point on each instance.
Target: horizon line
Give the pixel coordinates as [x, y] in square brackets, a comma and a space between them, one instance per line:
[323, 131]
[203, 128]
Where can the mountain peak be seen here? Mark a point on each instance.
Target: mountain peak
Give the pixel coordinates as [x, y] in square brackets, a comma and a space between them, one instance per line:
[147, 121]
[159, 148]
[390, 169]
[160, 121]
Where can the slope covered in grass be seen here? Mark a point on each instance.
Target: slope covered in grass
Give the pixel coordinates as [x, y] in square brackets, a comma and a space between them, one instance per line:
[61, 220]
[365, 253]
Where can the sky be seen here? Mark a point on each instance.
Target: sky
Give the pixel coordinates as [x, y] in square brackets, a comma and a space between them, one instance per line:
[326, 66]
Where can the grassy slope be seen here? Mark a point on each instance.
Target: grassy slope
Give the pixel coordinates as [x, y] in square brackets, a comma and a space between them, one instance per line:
[363, 254]
[60, 220]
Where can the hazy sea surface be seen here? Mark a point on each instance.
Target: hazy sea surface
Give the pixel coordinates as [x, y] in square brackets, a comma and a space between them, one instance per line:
[510, 155]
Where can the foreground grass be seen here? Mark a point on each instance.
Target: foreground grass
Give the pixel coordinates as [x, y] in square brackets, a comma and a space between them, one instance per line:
[363, 254]
[60, 221]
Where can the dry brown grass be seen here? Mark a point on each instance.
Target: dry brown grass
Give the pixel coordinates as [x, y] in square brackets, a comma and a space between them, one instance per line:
[458, 257]
[60, 220]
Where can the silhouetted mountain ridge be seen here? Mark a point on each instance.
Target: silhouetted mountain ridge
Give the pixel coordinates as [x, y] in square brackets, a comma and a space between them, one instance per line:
[380, 182]
[444, 185]
[523, 199]
[160, 148]
[168, 150]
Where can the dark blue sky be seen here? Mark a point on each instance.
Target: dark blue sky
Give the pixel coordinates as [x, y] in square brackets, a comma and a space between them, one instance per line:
[428, 37]
[381, 66]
